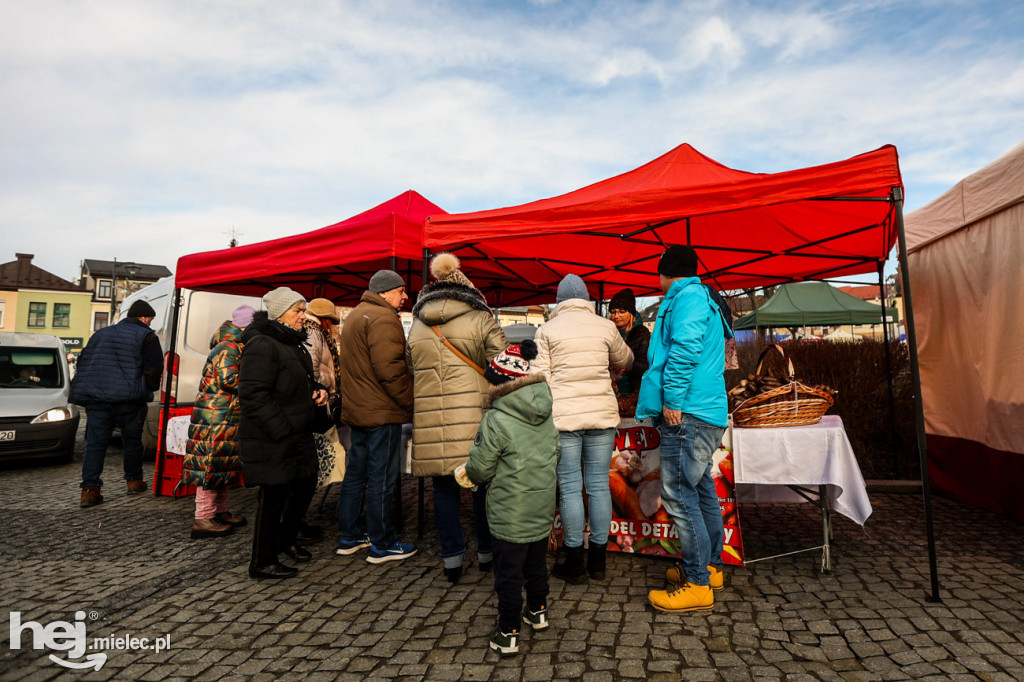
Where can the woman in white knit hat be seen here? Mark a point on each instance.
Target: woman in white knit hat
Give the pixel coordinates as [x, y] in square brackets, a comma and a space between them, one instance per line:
[278, 392]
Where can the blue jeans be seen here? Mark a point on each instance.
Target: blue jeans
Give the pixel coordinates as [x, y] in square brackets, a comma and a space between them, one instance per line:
[100, 420]
[371, 469]
[447, 494]
[594, 447]
[689, 495]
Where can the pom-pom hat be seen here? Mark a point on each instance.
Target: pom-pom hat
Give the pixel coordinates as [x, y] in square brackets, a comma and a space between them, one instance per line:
[511, 363]
[445, 268]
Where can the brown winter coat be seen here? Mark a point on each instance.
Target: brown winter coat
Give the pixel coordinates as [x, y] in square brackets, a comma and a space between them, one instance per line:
[376, 386]
[575, 348]
[450, 395]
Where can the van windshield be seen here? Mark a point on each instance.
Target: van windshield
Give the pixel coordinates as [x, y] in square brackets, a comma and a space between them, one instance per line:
[29, 368]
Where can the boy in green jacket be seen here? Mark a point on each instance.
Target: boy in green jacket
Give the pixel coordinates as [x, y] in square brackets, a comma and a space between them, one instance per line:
[516, 452]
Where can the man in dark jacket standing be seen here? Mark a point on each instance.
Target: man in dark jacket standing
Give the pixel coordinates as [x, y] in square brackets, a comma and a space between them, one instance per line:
[118, 371]
[376, 399]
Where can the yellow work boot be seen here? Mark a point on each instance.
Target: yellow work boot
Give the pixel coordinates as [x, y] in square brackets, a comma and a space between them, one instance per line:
[682, 597]
[675, 575]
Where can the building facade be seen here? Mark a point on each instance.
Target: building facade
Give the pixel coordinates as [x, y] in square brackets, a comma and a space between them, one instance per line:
[110, 282]
[37, 301]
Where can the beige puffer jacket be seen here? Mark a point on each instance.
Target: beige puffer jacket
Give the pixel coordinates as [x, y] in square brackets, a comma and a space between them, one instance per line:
[575, 348]
[450, 395]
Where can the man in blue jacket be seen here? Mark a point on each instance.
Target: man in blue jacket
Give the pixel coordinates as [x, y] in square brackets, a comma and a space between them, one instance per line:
[118, 371]
[684, 391]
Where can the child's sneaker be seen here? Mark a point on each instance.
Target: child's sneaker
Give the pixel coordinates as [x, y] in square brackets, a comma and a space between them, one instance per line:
[396, 552]
[538, 619]
[505, 643]
[346, 547]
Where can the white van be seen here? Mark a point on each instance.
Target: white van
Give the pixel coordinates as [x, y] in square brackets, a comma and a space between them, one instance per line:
[36, 420]
[201, 314]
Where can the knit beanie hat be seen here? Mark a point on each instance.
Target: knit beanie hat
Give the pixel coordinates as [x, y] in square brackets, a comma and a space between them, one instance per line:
[141, 309]
[678, 261]
[242, 315]
[278, 301]
[511, 363]
[321, 307]
[624, 300]
[571, 286]
[385, 280]
[445, 268]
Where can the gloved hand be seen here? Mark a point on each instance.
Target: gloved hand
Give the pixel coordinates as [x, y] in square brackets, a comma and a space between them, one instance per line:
[461, 478]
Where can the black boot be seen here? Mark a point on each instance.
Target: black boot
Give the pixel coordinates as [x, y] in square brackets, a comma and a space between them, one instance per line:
[595, 560]
[572, 569]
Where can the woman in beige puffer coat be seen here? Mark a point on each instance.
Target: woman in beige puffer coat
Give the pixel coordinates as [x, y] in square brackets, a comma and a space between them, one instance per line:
[450, 398]
[575, 349]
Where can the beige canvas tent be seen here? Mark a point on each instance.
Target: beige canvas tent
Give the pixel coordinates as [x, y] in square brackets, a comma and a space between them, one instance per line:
[966, 265]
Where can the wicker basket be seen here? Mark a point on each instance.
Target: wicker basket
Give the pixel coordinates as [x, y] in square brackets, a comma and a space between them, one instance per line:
[794, 404]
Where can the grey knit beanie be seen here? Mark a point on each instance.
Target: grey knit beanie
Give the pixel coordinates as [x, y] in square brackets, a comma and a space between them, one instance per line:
[385, 280]
[571, 286]
[278, 301]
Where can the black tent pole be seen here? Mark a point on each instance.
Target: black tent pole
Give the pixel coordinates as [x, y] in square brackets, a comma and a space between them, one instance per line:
[888, 374]
[915, 374]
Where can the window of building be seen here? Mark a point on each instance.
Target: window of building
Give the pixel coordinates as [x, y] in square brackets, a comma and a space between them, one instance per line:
[37, 314]
[61, 314]
[100, 320]
[103, 289]
[2, 305]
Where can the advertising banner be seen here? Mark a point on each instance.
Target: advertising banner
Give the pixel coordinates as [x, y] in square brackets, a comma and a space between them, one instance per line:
[640, 523]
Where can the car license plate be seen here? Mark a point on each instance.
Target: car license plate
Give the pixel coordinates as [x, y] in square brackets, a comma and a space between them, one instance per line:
[7, 435]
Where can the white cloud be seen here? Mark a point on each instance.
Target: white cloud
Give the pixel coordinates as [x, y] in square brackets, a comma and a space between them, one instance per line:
[127, 122]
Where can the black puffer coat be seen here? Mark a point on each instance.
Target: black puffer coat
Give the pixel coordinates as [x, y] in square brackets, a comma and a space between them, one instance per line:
[275, 389]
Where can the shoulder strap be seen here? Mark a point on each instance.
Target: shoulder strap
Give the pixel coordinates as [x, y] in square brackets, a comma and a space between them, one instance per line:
[457, 352]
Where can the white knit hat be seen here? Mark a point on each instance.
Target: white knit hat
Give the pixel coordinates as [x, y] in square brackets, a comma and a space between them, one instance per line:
[278, 301]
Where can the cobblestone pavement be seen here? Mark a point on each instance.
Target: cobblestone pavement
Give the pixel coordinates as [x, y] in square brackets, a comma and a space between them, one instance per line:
[130, 563]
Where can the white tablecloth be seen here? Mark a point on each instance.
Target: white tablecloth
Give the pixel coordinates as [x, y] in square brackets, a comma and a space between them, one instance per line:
[767, 460]
[177, 434]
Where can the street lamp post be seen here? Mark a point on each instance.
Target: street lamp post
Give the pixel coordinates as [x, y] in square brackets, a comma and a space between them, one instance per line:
[132, 270]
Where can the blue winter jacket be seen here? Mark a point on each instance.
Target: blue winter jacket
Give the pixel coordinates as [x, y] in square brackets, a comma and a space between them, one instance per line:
[687, 357]
[120, 364]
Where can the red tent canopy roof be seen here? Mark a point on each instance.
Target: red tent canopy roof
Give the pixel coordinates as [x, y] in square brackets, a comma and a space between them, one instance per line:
[337, 261]
[750, 229]
[334, 262]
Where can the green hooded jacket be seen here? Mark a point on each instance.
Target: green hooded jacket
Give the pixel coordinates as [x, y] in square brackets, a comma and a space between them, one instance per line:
[516, 452]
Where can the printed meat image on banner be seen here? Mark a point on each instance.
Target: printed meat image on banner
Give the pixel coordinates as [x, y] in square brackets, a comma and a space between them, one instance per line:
[640, 523]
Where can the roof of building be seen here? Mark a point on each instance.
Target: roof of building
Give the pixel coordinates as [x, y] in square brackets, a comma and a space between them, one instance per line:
[867, 292]
[125, 269]
[21, 274]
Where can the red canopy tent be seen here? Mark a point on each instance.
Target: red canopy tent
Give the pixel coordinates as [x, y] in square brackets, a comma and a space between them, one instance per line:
[750, 229]
[337, 261]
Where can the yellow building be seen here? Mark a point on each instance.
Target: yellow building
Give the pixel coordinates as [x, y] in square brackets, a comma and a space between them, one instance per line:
[37, 301]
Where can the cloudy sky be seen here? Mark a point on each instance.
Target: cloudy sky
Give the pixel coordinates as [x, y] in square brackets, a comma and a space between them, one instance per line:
[144, 131]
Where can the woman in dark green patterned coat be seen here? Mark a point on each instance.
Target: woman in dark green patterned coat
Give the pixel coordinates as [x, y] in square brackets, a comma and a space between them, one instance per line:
[212, 461]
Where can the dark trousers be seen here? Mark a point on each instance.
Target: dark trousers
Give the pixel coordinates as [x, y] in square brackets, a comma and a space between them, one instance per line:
[447, 499]
[517, 565]
[371, 472]
[279, 510]
[100, 420]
